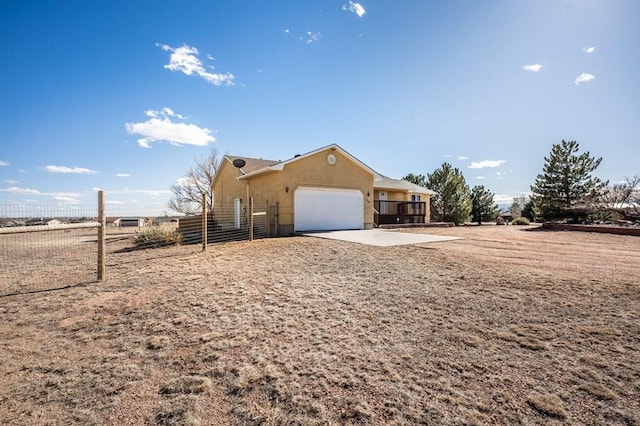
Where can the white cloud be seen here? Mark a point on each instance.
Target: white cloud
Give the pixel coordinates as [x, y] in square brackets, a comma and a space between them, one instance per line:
[185, 181]
[310, 37]
[123, 175]
[583, 78]
[159, 127]
[64, 199]
[287, 30]
[503, 199]
[533, 67]
[148, 192]
[462, 157]
[12, 182]
[479, 177]
[354, 7]
[185, 59]
[485, 163]
[67, 170]
[17, 190]
[65, 194]
[3, 163]
[588, 49]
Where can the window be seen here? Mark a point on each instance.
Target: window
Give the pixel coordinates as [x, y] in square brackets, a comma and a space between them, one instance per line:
[415, 197]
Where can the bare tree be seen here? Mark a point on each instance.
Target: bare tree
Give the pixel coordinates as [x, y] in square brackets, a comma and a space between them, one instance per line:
[518, 205]
[621, 194]
[188, 191]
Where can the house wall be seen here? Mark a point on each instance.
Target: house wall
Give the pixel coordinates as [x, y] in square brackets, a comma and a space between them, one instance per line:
[279, 186]
[227, 187]
[392, 195]
[312, 171]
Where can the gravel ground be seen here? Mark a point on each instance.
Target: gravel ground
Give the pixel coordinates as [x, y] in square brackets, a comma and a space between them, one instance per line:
[511, 325]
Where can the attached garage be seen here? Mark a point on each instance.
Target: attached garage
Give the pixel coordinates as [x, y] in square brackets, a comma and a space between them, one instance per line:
[327, 209]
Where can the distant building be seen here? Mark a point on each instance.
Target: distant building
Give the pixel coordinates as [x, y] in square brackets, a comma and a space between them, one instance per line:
[130, 222]
[42, 221]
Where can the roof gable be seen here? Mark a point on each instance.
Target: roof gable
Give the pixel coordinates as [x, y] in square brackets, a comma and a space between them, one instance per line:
[251, 164]
[400, 185]
[279, 166]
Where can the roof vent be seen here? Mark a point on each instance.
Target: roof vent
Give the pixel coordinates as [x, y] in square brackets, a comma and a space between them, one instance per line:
[239, 162]
[296, 156]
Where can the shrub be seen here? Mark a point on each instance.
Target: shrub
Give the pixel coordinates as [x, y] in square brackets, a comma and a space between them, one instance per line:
[521, 221]
[158, 237]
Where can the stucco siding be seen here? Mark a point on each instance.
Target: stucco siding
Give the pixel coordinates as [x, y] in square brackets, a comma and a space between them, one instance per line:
[312, 171]
[227, 187]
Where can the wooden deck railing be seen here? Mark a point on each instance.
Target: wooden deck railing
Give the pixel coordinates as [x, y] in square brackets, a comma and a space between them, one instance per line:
[390, 212]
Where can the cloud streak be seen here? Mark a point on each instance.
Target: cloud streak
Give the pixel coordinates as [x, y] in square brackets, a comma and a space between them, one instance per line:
[588, 49]
[310, 37]
[3, 163]
[65, 197]
[159, 127]
[24, 191]
[583, 78]
[486, 163]
[69, 170]
[185, 60]
[532, 67]
[355, 7]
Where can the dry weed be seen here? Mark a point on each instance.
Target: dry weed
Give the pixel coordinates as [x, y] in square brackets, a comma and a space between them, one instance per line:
[548, 404]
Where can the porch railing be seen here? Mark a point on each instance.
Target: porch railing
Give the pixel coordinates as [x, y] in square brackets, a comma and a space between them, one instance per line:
[395, 212]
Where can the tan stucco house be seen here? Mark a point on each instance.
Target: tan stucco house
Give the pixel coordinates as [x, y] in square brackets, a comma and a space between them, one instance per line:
[325, 189]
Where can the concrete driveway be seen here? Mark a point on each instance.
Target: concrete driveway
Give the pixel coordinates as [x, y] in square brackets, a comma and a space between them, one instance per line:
[380, 237]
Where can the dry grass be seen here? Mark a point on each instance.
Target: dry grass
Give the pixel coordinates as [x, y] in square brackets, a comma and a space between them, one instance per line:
[508, 326]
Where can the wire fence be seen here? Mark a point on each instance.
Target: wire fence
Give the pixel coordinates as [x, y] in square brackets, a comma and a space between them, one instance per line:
[51, 247]
[44, 247]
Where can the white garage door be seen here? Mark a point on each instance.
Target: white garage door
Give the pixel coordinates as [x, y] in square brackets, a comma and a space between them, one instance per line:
[323, 209]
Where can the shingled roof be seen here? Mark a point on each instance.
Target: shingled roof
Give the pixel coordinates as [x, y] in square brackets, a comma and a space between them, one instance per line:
[252, 164]
[400, 184]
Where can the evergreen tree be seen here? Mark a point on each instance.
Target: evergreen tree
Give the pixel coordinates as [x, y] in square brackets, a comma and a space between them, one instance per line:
[566, 181]
[529, 211]
[416, 179]
[452, 201]
[483, 207]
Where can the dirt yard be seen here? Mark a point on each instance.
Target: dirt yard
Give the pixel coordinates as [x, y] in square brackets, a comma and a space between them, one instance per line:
[511, 325]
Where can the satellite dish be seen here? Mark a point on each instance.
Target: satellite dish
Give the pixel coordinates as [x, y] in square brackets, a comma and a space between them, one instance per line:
[239, 162]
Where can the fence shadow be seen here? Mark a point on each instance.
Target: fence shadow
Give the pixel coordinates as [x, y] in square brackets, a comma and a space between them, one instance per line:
[48, 289]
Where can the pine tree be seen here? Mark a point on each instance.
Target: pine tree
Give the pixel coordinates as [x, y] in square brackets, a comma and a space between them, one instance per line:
[566, 181]
[483, 207]
[452, 202]
[417, 179]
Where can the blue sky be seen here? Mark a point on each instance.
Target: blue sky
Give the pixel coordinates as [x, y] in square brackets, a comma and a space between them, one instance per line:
[125, 95]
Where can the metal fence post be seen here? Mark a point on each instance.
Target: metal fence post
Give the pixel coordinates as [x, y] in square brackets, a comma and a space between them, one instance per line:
[268, 223]
[251, 219]
[204, 222]
[102, 220]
